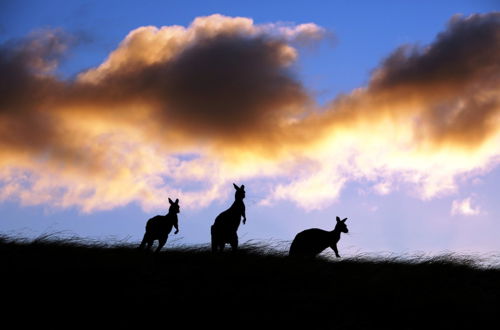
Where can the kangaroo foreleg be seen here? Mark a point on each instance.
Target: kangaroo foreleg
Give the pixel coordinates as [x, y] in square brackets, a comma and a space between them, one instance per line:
[334, 248]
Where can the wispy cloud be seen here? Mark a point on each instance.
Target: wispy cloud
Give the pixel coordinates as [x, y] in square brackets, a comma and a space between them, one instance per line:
[465, 207]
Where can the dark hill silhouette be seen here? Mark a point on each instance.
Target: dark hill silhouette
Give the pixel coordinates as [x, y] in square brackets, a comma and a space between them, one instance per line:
[65, 284]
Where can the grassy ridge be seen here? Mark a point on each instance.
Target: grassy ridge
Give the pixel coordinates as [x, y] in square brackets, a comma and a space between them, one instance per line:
[70, 283]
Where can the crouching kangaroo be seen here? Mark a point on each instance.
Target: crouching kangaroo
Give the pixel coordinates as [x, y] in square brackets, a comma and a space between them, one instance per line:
[226, 224]
[158, 227]
[312, 242]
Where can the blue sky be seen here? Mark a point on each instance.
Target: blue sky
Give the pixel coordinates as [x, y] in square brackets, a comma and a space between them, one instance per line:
[386, 211]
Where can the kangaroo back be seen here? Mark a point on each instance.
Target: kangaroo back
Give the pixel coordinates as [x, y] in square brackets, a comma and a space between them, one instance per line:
[160, 226]
[310, 242]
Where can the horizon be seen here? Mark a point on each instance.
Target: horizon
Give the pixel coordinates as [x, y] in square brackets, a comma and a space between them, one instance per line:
[387, 115]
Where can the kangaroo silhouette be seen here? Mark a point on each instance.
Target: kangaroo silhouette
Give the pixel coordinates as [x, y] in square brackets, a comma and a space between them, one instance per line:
[158, 227]
[311, 242]
[226, 224]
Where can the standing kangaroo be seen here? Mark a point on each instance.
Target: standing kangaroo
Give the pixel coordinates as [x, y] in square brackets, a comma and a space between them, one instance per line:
[226, 224]
[311, 242]
[158, 227]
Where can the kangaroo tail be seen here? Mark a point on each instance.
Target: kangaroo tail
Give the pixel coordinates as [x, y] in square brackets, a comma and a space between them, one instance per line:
[214, 238]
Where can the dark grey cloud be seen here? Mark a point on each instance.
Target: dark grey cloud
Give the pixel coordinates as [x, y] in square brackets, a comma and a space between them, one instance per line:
[451, 87]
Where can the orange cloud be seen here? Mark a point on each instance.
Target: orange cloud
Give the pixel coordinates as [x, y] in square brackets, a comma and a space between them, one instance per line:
[180, 111]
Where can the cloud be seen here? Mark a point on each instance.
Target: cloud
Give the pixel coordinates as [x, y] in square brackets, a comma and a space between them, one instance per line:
[183, 111]
[453, 82]
[382, 188]
[464, 207]
[429, 113]
[121, 132]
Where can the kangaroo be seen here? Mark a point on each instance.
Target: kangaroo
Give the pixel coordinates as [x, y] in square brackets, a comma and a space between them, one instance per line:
[312, 242]
[158, 227]
[226, 224]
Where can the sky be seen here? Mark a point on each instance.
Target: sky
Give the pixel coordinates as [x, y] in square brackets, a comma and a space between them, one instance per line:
[387, 113]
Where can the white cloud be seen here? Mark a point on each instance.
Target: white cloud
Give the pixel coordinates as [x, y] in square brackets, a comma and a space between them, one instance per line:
[383, 188]
[465, 207]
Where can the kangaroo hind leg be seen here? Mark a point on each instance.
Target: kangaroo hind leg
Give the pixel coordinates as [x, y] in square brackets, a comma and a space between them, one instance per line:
[161, 243]
[147, 242]
[234, 243]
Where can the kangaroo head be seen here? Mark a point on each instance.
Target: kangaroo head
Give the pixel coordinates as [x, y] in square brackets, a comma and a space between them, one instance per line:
[240, 192]
[174, 206]
[341, 226]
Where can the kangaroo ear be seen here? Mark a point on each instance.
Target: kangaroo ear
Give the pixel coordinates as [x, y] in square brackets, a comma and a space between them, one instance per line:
[338, 219]
[177, 201]
[236, 187]
[344, 220]
[170, 201]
